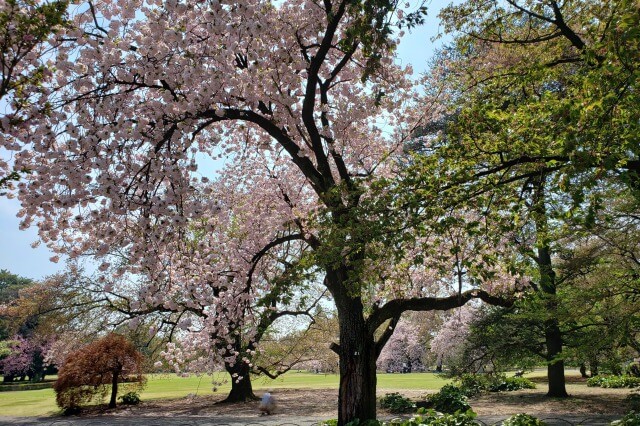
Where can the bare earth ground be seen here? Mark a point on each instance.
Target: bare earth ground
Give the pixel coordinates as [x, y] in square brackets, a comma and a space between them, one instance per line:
[323, 403]
[306, 407]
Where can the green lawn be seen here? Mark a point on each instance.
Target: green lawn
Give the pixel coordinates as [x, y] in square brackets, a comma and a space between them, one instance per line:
[166, 386]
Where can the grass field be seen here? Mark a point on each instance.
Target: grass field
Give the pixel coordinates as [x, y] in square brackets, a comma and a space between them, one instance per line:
[167, 386]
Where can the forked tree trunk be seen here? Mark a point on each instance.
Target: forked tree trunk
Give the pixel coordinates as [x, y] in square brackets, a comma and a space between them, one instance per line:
[241, 390]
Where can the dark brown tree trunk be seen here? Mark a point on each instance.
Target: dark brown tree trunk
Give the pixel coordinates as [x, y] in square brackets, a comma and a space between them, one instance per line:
[583, 371]
[357, 354]
[357, 392]
[114, 387]
[548, 287]
[241, 390]
[555, 366]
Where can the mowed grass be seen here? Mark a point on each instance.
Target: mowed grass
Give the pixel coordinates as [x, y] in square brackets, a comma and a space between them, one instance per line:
[170, 386]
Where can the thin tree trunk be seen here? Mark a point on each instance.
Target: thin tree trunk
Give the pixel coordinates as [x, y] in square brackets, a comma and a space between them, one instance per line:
[114, 387]
[548, 286]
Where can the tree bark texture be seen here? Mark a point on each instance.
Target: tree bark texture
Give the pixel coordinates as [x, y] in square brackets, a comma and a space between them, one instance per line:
[241, 390]
[555, 367]
[357, 392]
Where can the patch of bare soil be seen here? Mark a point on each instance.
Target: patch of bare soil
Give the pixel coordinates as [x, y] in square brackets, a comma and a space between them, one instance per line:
[582, 400]
[290, 402]
[323, 403]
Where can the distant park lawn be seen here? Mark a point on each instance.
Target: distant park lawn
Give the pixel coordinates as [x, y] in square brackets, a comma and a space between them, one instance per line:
[168, 386]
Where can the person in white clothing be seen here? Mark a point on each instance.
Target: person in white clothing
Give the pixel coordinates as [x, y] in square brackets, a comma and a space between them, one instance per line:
[267, 404]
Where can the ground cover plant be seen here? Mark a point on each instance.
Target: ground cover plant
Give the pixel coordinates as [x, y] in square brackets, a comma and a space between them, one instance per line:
[631, 419]
[396, 403]
[605, 381]
[523, 420]
[473, 384]
[450, 399]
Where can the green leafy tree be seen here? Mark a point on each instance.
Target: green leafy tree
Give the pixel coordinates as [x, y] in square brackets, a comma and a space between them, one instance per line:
[541, 105]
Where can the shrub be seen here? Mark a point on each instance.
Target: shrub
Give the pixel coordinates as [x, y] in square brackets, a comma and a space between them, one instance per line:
[509, 384]
[431, 417]
[523, 420]
[614, 381]
[633, 400]
[596, 381]
[631, 419]
[131, 398]
[90, 371]
[474, 384]
[450, 399]
[633, 369]
[396, 403]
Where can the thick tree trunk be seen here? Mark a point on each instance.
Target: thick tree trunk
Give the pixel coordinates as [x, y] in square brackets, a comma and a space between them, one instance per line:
[357, 354]
[357, 392]
[555, 367]
[241, 390]
[583, 371]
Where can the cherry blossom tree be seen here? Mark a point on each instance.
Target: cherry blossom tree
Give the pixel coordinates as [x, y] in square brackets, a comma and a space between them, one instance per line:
[25, 28]
[306, 106]
[405, 350]
[25, 358]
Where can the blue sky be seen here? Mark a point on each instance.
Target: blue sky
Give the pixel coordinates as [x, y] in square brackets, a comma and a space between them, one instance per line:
[16, 253]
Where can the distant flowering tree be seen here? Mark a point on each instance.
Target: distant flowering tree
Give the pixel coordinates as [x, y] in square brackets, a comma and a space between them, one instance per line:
[405, 350]
[449, 344]
[26, 357]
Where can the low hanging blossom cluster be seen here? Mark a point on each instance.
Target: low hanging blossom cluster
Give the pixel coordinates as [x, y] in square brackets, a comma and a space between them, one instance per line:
[28, 35]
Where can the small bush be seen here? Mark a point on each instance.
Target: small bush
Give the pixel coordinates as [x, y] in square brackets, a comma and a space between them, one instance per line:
[509, 384]
[523, 420]
[633, 369]
[130, 398]
[396, 403]
[633, 400]
[474, 384]
[432, 417]
[614, 381]
[631, 419]
[596, 381]
[450, 399]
